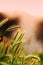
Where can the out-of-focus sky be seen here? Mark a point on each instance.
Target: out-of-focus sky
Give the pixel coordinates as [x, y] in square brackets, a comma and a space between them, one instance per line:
[34, 7]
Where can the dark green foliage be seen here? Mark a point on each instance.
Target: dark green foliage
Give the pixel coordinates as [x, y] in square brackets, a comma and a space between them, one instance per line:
[41, 58]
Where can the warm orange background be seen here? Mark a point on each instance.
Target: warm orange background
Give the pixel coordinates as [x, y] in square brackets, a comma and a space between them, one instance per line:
[34, 7]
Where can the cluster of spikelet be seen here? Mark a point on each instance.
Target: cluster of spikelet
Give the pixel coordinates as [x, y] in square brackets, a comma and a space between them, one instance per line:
[12, 54]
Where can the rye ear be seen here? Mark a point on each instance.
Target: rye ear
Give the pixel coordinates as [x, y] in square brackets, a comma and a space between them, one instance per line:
[3, 22]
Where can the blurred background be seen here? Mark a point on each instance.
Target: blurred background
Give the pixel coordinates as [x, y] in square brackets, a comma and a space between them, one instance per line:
[29, 13]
